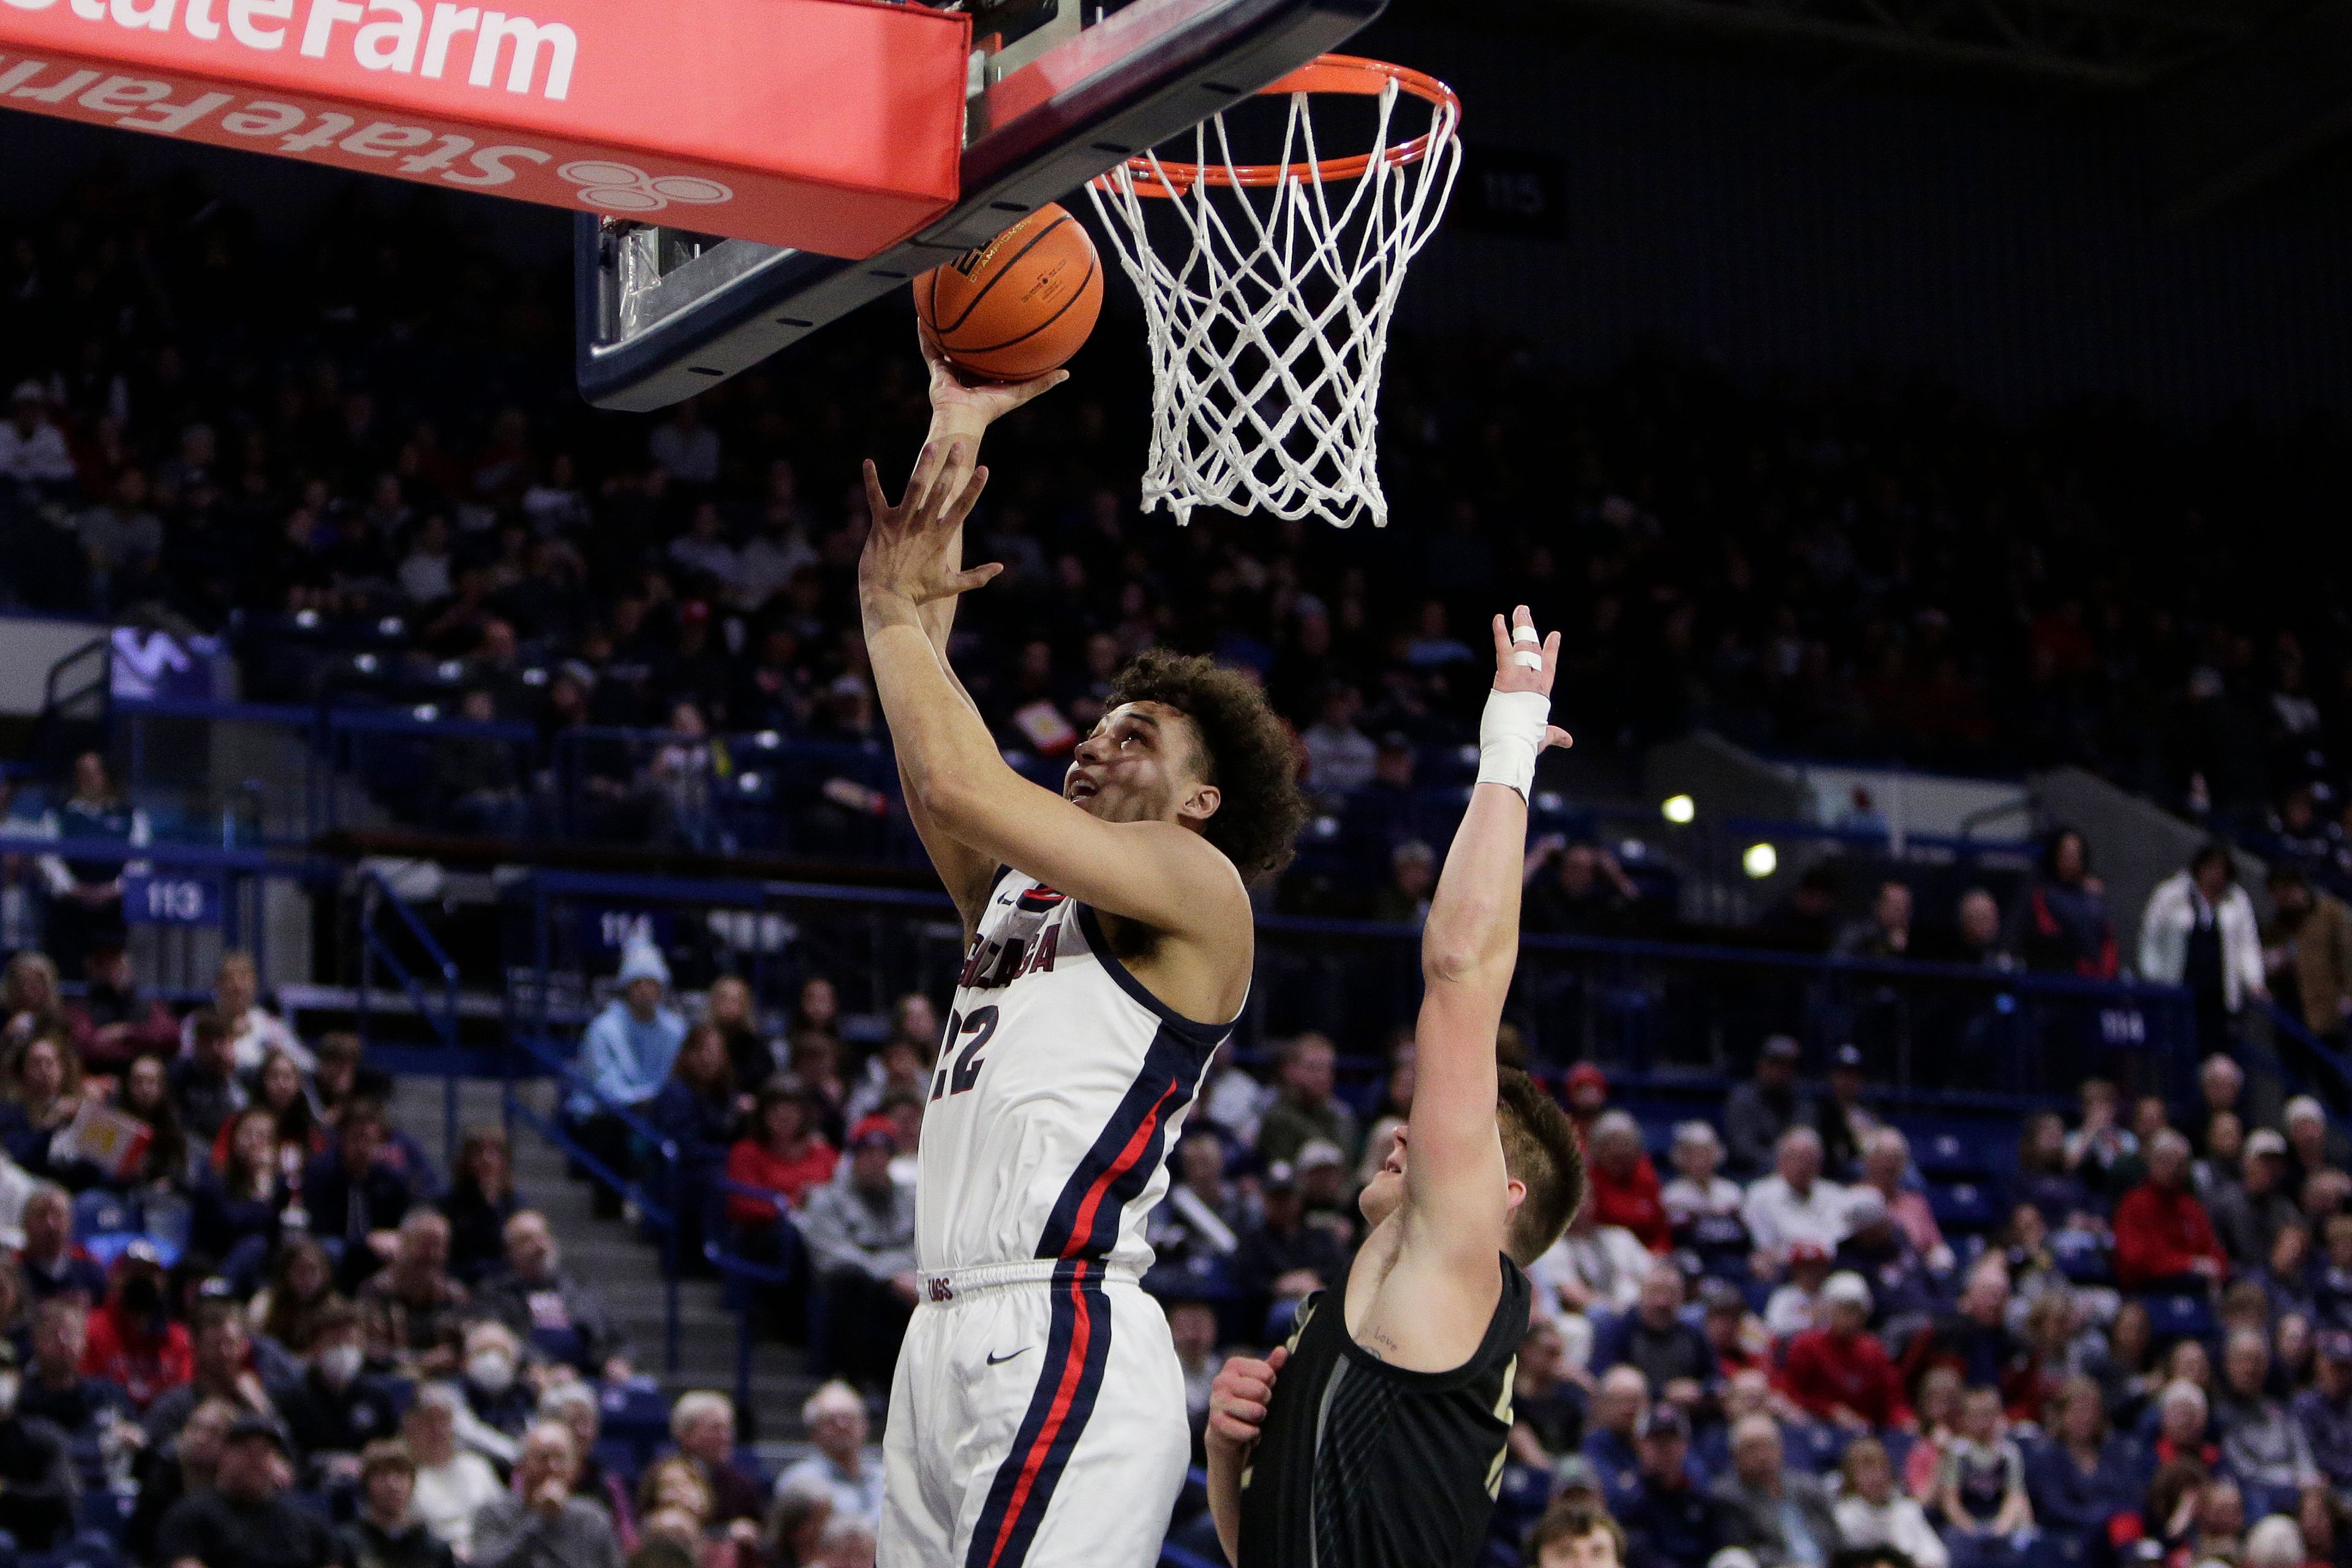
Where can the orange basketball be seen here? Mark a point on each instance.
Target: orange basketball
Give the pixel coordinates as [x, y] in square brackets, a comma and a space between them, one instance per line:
[1020, 305]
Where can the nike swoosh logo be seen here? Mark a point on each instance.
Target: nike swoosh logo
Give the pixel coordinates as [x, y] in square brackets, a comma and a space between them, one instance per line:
[1000, 1360]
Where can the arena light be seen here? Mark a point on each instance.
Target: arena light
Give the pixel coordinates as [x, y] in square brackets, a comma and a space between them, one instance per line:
[1679, 809]
[426, 714]
[1760, 861]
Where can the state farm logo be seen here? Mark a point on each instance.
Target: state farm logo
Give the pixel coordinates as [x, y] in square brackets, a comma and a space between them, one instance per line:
[625, 188]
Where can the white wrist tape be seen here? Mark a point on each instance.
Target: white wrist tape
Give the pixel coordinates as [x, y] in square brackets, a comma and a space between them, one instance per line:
[1510, 733]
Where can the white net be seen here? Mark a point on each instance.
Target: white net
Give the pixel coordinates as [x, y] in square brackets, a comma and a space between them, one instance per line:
[1269, 307]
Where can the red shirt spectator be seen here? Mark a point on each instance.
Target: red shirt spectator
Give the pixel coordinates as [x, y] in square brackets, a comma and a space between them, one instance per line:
[784, 1156]
[123, 1345]
[1623, 1185]
[1842, 1368]
[2162, 1232]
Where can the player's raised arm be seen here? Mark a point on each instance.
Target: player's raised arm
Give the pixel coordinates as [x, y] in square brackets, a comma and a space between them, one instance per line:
[1158, 872]
[1469, 947]
[960, 415]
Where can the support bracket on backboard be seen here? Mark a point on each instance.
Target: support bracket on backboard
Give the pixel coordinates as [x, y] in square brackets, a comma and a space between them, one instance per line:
[665, 313]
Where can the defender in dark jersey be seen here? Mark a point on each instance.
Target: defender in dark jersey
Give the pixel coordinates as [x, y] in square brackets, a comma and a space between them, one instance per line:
[1375, 1438]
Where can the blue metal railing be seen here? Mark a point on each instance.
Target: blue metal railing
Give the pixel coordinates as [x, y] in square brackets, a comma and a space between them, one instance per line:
[660, 1213]
[376, 895]
[753, 1275]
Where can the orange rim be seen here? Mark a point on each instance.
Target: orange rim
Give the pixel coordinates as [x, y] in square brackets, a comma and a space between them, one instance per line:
[1349, 74]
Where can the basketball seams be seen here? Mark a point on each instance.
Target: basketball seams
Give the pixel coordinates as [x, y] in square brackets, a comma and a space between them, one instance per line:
[946, 330]
[1064, 309]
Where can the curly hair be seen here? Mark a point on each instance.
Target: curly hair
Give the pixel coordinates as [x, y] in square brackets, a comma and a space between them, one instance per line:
[1248, 751]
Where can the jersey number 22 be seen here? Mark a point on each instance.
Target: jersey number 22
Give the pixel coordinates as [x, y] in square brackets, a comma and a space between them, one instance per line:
[959, 1070]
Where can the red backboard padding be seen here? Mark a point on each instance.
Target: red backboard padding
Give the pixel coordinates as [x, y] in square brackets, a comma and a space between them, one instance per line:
[827, 125]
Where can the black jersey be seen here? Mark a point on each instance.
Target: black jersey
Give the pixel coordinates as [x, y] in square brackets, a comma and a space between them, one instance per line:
[1364, 1465]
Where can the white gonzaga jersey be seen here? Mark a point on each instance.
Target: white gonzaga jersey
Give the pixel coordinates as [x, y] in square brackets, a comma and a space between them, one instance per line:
[1062, 1084]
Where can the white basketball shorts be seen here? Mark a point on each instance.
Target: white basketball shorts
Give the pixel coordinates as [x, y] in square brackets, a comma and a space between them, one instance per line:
[1036, 1421]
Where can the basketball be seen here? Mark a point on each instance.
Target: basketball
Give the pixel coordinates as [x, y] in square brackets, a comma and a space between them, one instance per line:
[1020, 305]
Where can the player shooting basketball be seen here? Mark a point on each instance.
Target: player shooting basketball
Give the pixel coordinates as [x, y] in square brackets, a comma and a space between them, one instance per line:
[1109, 946]
[1375, 1438]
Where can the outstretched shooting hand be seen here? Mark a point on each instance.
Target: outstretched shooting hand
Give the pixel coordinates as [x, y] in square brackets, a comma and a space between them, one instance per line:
[907, 551]
[1510, 675]
[968, 407]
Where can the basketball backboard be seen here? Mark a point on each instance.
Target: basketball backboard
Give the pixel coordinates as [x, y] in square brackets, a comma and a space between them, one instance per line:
[1057, 96]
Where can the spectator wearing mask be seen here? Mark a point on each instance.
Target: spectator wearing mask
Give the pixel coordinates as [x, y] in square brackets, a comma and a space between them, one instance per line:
[543, 1303]
[1874, 1515]
[2262, 1446]
[2198, 931]
[245, 1519]
[2307, 953]
[1671, 1355]
[498, 1399]
[625, 1054]
[1624, 1187]
[1760, 1111]
[1668, 1520]
[2164, 1239]
[354, 1197]
[539, 1523]
[1780, 1516]
[1981, 1493]
[1795, 1203]
[1704, 1208]
[131, 1341]
[860, 1233]
[1838, 1372]
[2060, 924]
[336, 1410]
[387, 1534]
[839, 1468]
[1305, 1107]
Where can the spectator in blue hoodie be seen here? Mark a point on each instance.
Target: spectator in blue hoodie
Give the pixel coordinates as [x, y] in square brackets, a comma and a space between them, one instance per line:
[697, 1110]
[625, 1056]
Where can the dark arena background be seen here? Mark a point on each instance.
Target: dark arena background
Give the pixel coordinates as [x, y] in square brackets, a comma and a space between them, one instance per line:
[1926, 422]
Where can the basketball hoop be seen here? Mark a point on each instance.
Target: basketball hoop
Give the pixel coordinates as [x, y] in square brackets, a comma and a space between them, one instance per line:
[1269, 312]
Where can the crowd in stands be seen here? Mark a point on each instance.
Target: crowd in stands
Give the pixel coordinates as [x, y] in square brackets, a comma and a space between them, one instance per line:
[360, 454]
[1794, 1348]
[247, 1322]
